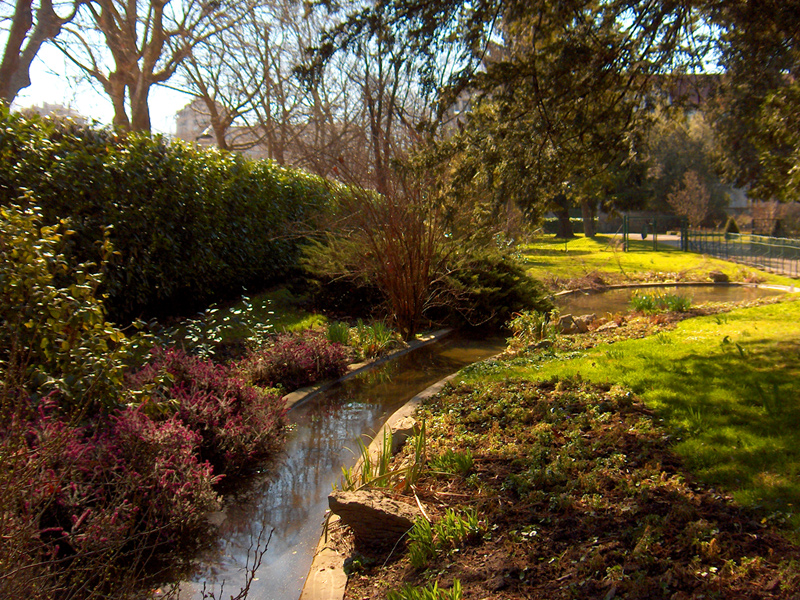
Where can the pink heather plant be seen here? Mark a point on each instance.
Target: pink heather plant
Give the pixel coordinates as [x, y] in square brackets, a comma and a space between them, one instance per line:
[295, 361]
[237, 423]
[81, 501]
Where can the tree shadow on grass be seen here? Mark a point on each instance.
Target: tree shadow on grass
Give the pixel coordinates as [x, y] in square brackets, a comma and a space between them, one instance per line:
[737, 415]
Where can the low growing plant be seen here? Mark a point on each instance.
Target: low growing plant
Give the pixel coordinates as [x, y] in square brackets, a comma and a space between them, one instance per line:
[431, 592]
[451, 531]
[372, 340]
[652, 302]
[339, 333]
[531, 326]
[292, 361]
[455, 463]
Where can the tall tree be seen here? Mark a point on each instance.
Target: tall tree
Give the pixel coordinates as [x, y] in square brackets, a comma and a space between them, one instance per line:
[128, 46]
[556, 87]
[756, 115]
[29, 25]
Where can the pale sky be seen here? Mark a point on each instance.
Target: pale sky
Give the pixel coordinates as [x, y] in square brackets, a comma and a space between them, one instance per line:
[50, 83]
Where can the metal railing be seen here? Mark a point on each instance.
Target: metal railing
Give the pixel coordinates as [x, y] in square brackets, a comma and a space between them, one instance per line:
[778, 255]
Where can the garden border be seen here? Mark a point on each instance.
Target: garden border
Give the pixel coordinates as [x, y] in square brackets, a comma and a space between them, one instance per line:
[326, 579]
[790, 289]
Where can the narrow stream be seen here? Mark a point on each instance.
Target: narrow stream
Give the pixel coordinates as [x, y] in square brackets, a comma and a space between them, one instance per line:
[290, 498]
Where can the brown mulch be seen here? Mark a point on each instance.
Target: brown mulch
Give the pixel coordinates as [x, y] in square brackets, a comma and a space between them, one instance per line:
[641, 529]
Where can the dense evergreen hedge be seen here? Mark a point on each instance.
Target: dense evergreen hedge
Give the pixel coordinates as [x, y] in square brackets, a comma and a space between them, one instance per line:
[190, 225]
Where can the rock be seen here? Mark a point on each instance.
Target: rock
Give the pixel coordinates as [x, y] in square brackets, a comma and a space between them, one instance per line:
[566, 324]
[401, 431]
[374, 518]
[718, 277]
[540, 345]
[584, 321]
[607, 326]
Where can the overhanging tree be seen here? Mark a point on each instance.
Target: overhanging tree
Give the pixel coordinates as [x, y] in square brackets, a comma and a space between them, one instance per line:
[556, 87]
[759, 50]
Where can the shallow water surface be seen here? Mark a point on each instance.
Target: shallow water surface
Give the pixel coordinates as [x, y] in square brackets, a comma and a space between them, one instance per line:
[290, 498]
[618, 300]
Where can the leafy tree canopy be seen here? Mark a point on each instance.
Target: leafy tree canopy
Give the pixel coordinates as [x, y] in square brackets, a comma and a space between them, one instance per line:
[556, 88]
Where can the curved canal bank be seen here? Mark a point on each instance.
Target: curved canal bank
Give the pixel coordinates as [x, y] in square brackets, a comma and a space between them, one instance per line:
[290, 498]
[616, 298]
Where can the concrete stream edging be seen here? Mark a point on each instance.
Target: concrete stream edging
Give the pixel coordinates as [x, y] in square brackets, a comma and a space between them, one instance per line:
[326, 578]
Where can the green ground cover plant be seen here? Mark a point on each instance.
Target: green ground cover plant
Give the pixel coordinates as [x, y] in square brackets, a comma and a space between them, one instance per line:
[582, 496]
[727, 387]
[223, 332]
[583, 262]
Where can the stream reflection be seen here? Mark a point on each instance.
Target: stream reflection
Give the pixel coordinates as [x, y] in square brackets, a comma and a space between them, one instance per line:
[290, 497]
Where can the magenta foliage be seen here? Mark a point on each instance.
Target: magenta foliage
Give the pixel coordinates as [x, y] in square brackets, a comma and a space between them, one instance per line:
[294, 361]
[236, 422]
[121, 482]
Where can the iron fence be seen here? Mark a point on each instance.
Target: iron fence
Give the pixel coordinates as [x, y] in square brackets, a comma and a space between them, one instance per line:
[778, 255]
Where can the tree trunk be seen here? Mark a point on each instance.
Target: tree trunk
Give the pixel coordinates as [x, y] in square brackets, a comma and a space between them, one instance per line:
[140, 109]
[562, 212]
[115, 88]
[588, 218]
[16, 64]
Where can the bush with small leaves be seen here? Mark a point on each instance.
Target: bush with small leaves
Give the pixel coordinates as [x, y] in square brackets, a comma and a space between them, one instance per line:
[294, 361]
[237, 423]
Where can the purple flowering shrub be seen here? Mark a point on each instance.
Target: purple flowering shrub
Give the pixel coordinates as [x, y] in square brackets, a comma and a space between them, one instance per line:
[236, 423]
[295, 361]
[79, 502]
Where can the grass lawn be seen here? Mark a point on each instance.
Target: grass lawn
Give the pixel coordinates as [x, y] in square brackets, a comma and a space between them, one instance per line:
[727, 387]
[560, 263]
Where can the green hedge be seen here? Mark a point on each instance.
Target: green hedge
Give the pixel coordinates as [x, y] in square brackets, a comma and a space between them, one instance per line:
[191, 226]
[551, 225]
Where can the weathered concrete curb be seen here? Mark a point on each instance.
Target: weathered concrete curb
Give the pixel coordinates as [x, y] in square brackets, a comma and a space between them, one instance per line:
[300, 396]
[326, 578]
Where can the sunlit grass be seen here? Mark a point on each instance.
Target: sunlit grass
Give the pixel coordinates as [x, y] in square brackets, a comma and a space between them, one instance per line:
[728, 390]
[548, 258]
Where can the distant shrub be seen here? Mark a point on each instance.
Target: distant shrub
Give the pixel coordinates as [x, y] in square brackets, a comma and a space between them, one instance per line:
[731, 226]
[293, 361]
[236, 422]
[652, 302]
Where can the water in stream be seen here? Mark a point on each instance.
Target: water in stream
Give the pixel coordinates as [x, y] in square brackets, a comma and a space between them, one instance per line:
[290, 498]
[618, 300]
